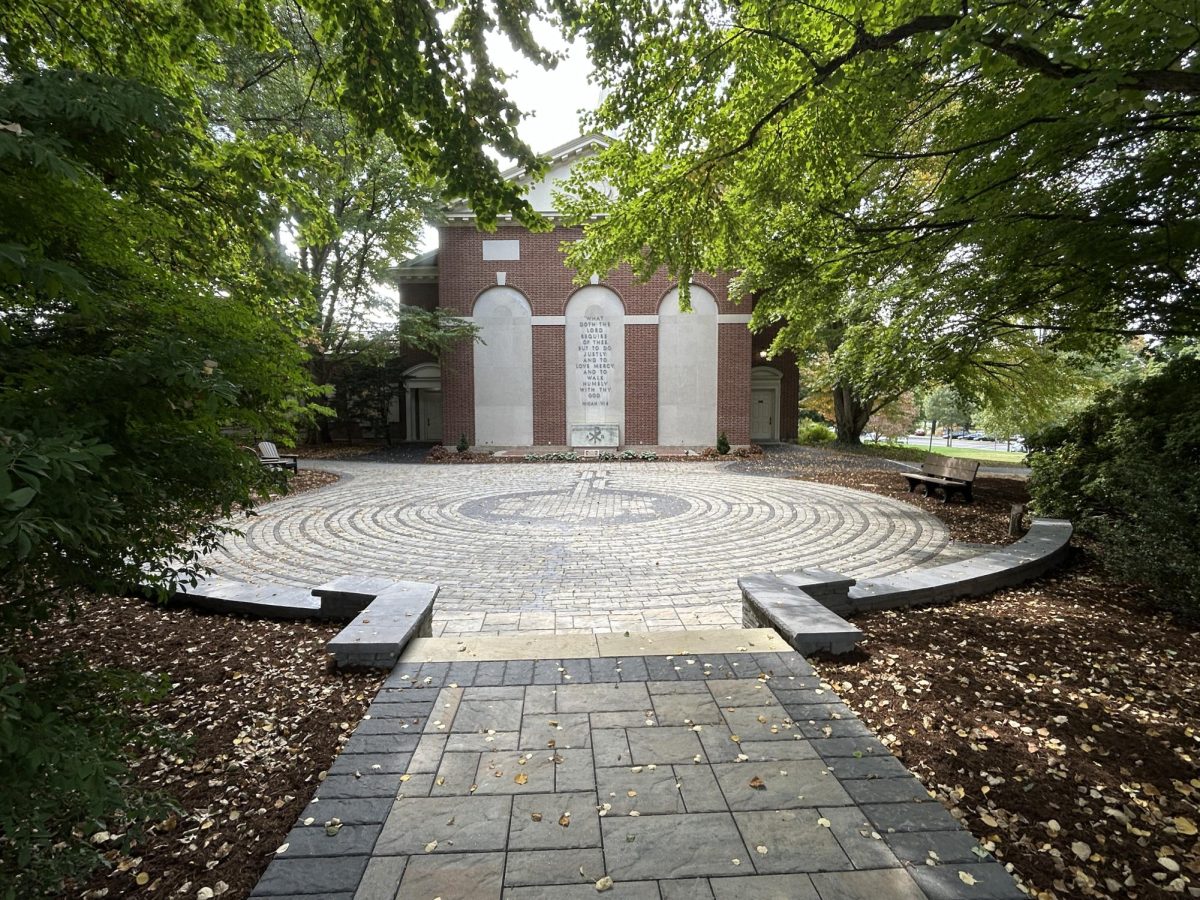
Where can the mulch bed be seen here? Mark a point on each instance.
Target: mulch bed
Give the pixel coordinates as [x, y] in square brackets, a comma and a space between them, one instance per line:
[264, 716]
[1060, 722]
[310, 479]
[983, 522]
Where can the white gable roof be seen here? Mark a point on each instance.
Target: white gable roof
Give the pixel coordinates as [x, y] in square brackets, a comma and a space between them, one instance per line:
[540, 193]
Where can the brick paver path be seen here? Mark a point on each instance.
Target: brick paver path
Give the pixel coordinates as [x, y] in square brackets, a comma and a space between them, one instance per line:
[700, 777]
[567, 548]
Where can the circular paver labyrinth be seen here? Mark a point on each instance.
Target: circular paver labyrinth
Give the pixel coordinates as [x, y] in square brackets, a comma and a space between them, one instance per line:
[543, 548]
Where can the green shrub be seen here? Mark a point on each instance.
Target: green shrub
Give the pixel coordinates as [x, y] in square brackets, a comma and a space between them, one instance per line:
[462, 446]
[722, 443]
[144, 310]
[67, 729]
[1123, 470]
[814, 433]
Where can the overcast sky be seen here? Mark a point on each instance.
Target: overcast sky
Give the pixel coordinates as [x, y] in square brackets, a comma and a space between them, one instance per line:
[551, 99]
[554, 99]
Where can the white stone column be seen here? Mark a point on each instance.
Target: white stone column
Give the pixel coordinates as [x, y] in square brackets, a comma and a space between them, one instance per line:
[687, 371]
[503, 369]
[595, 359]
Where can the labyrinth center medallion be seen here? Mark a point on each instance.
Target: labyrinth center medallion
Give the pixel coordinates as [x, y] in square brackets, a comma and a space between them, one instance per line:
[590, 503]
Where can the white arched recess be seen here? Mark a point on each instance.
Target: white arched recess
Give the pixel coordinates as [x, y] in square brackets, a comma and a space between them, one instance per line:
[595, 357]
[687, 370]
[503, 369]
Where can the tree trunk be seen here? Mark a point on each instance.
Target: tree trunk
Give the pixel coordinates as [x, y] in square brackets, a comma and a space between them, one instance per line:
[850, 413]
[318, 368]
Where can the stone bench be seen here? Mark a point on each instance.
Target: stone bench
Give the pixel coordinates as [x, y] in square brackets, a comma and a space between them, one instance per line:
[1042, 548]
[807, 607]
[385, 615]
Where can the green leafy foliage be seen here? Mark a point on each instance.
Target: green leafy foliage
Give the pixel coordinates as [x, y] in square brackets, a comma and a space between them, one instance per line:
[917, 192]
[140, 316]
[811, 432]
[463, 444]
[722, 443]
[65, 729]
[143, 309]
[1124, 471]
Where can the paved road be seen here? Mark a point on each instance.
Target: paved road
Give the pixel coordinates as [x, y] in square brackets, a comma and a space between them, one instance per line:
[569, 548]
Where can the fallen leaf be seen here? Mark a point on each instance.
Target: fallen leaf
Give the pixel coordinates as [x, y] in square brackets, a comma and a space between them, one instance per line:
[565, 820]
[604, 884]
[521, 778]
[966, 877]
[758, 784]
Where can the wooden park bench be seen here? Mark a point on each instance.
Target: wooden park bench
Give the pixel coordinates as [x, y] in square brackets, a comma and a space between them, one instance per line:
[269, 456]
[950, 474]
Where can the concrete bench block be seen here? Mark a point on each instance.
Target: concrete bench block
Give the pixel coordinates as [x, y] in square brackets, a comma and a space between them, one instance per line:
[401, 611]
[818, 583]
[348, 595]
[801, 619]
[230, 595]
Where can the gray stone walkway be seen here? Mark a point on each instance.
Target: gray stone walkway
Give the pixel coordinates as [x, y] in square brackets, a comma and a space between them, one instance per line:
[726, 773]
[544, 549]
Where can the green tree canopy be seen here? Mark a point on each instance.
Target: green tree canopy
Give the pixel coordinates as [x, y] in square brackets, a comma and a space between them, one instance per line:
[935, 184]
[419, 73]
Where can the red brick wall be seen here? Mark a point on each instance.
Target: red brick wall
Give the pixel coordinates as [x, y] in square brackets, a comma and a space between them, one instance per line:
[542, 277]
[641, 384]
[733, 382]
[458, 394]
[549, 385]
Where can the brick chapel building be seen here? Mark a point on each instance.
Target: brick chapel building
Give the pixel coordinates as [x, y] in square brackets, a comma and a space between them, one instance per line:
[613, 363]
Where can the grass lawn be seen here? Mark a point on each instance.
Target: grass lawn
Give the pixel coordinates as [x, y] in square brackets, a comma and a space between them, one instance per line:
[997, 456]
[912, 453]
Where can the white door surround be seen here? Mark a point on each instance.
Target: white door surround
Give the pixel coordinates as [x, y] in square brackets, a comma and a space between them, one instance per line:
[422, 383]
[765, 383]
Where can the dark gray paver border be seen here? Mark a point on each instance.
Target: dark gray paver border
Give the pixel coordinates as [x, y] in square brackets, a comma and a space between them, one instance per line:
[878, 839]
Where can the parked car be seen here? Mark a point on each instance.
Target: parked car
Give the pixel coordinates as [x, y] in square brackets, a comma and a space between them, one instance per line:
[920, 432]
